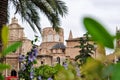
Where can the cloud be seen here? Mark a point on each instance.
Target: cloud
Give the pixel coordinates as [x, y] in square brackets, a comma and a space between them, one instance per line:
[106, 11]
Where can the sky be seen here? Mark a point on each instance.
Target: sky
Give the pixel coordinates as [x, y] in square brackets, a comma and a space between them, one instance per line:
[106, 11]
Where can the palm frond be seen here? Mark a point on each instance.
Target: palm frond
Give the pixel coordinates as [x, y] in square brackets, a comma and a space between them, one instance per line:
[28, 10]
[46, 9]
[61, 7]
[58, 6]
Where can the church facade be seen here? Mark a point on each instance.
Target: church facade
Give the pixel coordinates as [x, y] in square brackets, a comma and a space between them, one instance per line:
[16, 33]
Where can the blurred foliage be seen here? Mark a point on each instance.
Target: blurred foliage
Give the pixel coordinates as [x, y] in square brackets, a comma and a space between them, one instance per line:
[92, 69]
[98, 70]
[3, 67]
[101, 69]
[11, 48]
[98, 32]
[8, 48]
[57, 72]
[45, 71]
[5, 32]
[67, 74]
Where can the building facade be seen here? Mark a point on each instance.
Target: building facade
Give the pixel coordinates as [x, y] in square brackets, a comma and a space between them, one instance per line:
[52, 49]
[16, 33]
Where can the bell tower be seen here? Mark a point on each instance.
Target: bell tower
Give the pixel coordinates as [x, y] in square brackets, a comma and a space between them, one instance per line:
[15, 30]
[70, 35]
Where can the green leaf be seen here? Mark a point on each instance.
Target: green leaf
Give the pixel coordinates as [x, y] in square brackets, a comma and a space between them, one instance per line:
[98, 32]
[108, 70]
[12, 47]
[4, 66]
[116, 72]
[5, 35]
[2, 77]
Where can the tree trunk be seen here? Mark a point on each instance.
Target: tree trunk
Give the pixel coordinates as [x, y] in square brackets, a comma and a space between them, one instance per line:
[3, 17]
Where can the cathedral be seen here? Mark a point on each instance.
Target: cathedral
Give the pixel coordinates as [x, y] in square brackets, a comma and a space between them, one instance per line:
[52, 49]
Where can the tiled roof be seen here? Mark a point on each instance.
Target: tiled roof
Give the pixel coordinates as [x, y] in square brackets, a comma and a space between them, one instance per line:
[59, 46]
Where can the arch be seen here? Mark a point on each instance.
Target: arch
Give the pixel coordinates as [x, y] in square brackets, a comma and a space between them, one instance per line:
[50, 32]
[57, 37]
[42, 62]
[58, 60]
[13, 72]
[50, 36]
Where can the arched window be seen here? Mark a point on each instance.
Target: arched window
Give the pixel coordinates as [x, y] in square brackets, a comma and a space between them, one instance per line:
[44, 39]
[13, 73]
[50, 36]
[57, 37]
[58, 60]
[42, 62]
